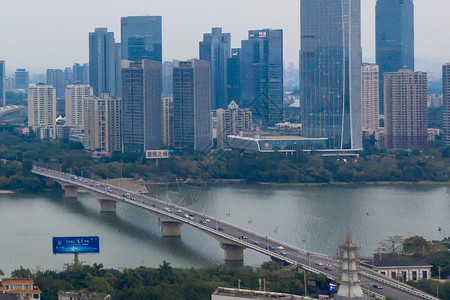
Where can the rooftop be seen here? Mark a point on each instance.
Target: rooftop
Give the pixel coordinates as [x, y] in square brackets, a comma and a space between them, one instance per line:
[395, 260]
[250, 294]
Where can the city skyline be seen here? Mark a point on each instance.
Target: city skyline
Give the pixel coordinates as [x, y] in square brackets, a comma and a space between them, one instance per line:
[58, 50]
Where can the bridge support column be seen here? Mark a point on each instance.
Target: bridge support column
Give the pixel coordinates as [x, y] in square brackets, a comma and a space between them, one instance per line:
[70, 191]
[49, 182]
[171, 229]
[233, 253]
[107, 205]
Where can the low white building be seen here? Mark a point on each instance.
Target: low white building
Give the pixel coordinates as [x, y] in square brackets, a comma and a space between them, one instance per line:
[23, 287]
[403, 268]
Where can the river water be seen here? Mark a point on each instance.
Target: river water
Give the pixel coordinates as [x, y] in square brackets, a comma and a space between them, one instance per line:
[314, 217]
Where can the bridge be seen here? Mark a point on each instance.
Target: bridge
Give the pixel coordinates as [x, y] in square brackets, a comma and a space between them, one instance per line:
[4, 110]
[233, 239]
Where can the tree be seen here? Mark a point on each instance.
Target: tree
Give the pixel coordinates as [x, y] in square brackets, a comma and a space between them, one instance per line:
[393, 244]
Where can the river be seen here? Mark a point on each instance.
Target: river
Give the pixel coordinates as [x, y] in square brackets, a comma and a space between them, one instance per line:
[314, 217]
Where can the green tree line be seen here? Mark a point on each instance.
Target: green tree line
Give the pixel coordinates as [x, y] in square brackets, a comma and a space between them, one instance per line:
[167, 283]
[372, 166]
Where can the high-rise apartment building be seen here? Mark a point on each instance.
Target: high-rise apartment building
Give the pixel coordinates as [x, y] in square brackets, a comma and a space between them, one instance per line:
[68, 75]
[142, 38]
[102, 123]
[80, 73]
[232, 121]
[405, 93]
[370, 97]
[55, 78]
[330, 71]
[167, 120]
[22, 80]
[2, 83]
[192, 105]
[216, 48]
[167, 73]
[234, 76]
[102, 62]
[446, 106]
[394, 38]
[261, 75]
[41, 105]
[76, 94]
[141, 105]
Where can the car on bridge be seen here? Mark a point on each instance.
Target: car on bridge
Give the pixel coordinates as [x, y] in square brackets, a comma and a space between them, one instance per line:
[378, 286]
[283, 252]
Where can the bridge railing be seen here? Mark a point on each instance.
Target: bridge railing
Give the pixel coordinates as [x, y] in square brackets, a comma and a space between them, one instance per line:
[398, 285]
[172, 215]
[242, 229]
[371, 293]
[379, 278]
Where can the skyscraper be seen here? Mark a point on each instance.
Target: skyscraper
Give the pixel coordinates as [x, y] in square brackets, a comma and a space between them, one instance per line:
[370, 98]
[446, 107]
[76, 94]
[102, 118]
[261, 75]
[167, 71]
[141, 105]
[102, 61]
[55, 78]
[394, 38]
[192, 105]
[2, 83]
[118, 66]
[142, 38]
[22, 80]
[330, 71]
[216, 48]
[234, 77]
[41, 105]
[405, 93]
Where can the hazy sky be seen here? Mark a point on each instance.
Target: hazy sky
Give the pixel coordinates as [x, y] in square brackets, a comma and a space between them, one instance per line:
[41, 34]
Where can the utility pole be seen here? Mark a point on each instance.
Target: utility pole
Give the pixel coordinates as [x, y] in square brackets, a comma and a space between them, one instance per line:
[305, 283]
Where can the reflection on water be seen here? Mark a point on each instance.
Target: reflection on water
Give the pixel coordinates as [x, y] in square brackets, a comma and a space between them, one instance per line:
[311, 217]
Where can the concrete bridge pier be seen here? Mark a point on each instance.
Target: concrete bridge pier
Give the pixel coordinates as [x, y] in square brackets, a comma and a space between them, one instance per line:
[233, 253]
[107, 205]
[70, 191]
[50, 182]
[170, 228]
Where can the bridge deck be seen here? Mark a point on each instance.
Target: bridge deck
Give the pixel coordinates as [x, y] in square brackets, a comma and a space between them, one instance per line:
[310, 261]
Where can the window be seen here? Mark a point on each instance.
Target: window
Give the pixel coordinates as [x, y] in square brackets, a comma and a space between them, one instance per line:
[393, 274]
[424, 274]
[414, 275]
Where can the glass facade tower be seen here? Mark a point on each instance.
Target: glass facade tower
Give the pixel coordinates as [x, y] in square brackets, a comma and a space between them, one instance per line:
[102, 61]
[261, 75]
[394, 38]
[216, 48]
[330, 71]
[142, 38]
